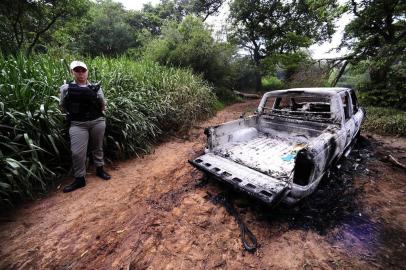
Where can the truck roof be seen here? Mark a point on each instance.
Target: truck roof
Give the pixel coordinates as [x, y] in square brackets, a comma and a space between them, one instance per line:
[310, 90]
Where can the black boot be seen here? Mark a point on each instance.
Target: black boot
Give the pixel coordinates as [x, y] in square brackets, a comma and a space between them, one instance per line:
[79, 182]
[102, 174]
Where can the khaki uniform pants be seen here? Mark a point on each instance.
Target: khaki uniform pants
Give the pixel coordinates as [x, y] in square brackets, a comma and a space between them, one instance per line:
[82, 133]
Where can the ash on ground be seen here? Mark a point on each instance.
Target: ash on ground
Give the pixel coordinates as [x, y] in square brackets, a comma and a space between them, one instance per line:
[334, 202]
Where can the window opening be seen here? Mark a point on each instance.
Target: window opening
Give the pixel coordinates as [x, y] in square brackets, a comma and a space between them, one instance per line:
[346, 106]
[311, 107]
[354, 101]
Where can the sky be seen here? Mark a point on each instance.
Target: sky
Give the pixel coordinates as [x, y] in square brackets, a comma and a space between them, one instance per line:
[318, 51]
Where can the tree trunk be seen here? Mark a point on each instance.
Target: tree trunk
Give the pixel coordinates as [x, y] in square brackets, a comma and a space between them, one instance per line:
[39, 33]
[258, 80]
[258, 75]
[340, 73]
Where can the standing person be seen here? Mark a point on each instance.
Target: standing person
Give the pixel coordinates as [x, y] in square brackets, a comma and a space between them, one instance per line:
[84, 105]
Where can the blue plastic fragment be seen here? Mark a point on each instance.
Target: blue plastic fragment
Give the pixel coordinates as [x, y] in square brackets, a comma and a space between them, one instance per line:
[289, 157]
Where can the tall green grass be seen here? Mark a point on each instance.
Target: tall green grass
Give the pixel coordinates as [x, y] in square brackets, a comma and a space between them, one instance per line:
[145, 101]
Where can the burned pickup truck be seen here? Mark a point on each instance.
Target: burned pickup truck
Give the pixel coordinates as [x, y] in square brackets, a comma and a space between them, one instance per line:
[282, 151]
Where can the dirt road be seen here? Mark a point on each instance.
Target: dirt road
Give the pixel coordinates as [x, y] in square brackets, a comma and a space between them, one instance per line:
[151, 215]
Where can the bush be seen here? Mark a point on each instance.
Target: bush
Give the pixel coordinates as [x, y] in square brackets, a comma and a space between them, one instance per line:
[145, 100]
[271, 83]
[390, 92]
[385, 121]
[189, 44]
[381, 97]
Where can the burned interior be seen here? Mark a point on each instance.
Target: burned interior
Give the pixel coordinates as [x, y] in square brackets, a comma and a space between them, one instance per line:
[293, 105]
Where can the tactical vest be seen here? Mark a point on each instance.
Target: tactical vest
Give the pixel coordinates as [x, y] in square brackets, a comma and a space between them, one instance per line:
[82, 103]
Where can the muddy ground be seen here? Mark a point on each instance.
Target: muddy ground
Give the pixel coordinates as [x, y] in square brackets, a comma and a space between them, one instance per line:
[152, 215]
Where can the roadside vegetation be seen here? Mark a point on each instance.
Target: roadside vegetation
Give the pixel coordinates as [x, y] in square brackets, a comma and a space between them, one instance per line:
[385, 121]
[145, 102]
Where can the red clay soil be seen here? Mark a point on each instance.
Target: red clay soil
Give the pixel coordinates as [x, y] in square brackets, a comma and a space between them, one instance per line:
[151, 215]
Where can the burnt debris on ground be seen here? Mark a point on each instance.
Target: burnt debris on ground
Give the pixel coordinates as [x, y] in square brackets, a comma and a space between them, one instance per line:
[336, 199]
[333, 203]
[337, 204]
[381, 244]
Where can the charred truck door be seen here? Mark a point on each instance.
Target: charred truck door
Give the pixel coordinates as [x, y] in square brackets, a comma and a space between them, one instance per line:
[349, 125]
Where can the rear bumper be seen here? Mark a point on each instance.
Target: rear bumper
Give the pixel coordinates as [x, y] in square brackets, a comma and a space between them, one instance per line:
[230, 173]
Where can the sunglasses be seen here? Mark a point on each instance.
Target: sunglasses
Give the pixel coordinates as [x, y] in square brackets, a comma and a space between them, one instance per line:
[80, 70]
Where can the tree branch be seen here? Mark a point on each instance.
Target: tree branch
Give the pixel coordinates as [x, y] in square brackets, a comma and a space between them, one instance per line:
[214, 10]
[342, 58]
[354, 8]
[340, 73]
[18, 35]
[39, 33]
[401, 36]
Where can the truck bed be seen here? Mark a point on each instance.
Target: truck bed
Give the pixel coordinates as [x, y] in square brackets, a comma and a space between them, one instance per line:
[269, 154]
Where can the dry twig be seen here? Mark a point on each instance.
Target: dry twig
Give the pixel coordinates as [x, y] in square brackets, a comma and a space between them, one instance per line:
[394, 161]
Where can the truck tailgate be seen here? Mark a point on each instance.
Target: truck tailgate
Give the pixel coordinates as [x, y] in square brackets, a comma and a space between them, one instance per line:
[257, 184]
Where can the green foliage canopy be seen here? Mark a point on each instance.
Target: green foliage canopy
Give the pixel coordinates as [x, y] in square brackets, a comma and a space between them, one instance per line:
[377, 33]
[377, 40]
[106, 30]
[281, 27]
[152, 18]
[200, 8]
[190, 44]
[276, 28]
[24, 24]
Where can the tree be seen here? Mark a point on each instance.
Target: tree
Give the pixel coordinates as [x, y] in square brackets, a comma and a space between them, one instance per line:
[106, 30]
[152, 18]
[274, 28]
[24, 23]
[201, 8]
[378, 34]
[190, 45]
